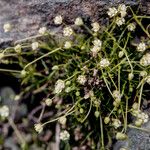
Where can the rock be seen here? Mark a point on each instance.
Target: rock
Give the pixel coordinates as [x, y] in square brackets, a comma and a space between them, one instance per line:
[137, 139]
[7, 95]
[27, 16]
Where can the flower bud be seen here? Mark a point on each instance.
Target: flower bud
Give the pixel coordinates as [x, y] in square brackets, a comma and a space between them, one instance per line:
[97, 114]
[121, 136]
[106, 120]
[48, 102]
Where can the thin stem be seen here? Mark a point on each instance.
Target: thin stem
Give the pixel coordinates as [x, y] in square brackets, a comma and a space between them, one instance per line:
[16, 131]
[57, 49]
[88, 111]
[9, 70]
[140, 97]
[102, 134]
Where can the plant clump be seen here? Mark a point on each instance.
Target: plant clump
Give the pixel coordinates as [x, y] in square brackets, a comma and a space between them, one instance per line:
[94, 80]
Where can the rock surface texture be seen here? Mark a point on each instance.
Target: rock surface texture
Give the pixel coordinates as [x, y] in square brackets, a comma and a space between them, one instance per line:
[27, 16]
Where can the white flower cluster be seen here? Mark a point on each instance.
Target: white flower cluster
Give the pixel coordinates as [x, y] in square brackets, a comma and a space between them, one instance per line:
[112, 12]
[117, 95]
[38, 127]
[97, 47]
[148, 79]
[35, 45]
[104, 62]
[58, 20]
[116, 123]
[81, 79]
[143, 73]
[42, 30]
[67, 31]
[131, 26]
[48, 101]
[67, 45]
[78, 21]
[120, 21]
[89, 94]
[141, 117]
[7, 27]
[4, 111]
[17, 48]
[64, 135]
[145, 60]
[122, 10]
[59, 86]
[62, 120]
[95, 26]
[141, 47]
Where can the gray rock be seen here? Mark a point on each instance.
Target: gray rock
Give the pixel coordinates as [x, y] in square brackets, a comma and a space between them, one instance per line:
[137, 139]
[27, 16]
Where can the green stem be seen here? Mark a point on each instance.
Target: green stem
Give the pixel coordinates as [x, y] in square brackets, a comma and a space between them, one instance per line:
[102, 134]
[51, 52]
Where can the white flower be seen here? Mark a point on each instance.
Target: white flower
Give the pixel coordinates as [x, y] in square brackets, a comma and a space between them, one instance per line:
[116, 123]
[143, 116]
[81, 79]
[67, 31]
[79, 21]
[104, 63]
[4, 111]
[64, 135]
[18, 48]
[88, 95]
[67, 45]
[97, 43]
[62, 120]
[58, 20]
[117, 95]
[122, 9]
[95, 50]
[95, 26]
[35, 45]
[112, 12]
[145, 60]
[121, 53]
[7, 27]
[48, 101]
[42, 30]
[143, 73]
[38, 127]
[148, 79]
[131, 26]
[120, 21]
[59, 86]
[141, 47]
[130, 76]
[1, 55]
